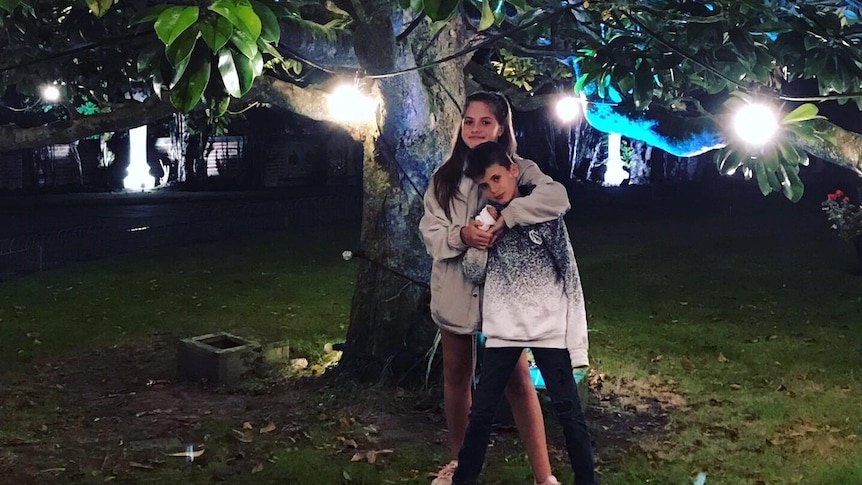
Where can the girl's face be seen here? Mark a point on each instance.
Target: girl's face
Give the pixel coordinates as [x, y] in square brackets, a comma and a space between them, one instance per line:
[479, 124]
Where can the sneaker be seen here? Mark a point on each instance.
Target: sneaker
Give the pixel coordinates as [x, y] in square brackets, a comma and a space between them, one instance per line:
[444, 475]
[551, 480]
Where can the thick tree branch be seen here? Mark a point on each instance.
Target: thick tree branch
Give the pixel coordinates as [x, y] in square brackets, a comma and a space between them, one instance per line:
[308, 101]
[131, 115]
[520, 99]
[833, 144]
[327, 54]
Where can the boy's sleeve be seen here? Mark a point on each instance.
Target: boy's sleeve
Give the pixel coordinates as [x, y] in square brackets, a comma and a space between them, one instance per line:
[475, 264]
[442, 237]
[563, 256]
[547, 201]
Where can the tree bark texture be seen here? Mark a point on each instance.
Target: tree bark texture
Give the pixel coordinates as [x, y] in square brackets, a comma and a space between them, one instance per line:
[390, 330]
[130, 116]
[833, 144]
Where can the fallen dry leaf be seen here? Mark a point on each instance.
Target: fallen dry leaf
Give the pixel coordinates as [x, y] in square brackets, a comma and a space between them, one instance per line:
[370, 456]
[373, 454]
[270, 426]
[347, 442]
[188, 453]
[258, 467]
[721, 357]
[244, 436]
[247, 425]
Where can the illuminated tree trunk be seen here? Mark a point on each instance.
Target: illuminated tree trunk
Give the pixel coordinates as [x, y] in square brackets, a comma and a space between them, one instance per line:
[390, 331]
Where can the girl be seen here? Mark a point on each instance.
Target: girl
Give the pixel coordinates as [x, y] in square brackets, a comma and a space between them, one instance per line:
[448, 228]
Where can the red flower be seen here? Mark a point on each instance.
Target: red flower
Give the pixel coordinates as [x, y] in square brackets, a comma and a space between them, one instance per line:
[836, 195]
[846, 199]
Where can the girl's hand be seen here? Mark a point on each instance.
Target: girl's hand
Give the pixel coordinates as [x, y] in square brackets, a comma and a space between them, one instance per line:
[475, 237]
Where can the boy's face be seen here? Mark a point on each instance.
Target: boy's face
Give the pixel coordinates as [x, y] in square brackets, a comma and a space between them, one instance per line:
[498, 183]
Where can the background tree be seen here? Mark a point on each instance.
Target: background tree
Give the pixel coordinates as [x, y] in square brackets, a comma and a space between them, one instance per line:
[662, 72]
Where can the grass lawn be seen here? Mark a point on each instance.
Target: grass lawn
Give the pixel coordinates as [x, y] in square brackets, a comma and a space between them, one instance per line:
[723, 340]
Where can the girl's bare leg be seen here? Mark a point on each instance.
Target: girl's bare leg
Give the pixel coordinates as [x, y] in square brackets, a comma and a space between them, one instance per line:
[457, 383]
[528, 418]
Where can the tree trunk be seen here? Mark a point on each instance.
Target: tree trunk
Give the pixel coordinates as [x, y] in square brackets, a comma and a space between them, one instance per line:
[390, 329]
[639, 170]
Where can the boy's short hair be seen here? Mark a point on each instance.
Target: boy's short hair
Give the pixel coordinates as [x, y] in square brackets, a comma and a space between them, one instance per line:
[483, 156]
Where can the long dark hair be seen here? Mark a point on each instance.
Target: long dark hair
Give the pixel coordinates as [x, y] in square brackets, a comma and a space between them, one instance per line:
[448, 176]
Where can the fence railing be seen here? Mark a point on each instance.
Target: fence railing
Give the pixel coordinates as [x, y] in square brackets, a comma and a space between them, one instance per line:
[43, 251]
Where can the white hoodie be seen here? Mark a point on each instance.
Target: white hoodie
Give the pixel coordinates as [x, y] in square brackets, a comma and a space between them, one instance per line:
[533, 295]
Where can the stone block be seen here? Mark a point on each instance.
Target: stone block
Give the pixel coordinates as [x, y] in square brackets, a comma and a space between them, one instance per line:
[217, 358]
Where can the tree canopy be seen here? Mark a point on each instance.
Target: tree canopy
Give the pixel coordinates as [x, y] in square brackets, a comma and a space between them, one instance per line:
[659, 71]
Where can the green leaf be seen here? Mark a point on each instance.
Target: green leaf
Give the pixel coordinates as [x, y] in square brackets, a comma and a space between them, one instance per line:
[158, 80]
[769, 158]
[728, 161]
[643, 85]
[256, 64]
[487, 19]
[520, 5]
[216, 31]
[270, 29]
[743, 45]
[220, 107]
[148, 15]
[100, 7]
[241, 14]
[247, 70]
[794, 188]
[791, 155]
[228, 71]
[9, 5]
[186, 93]
[173, 21]
[149, 58]
[762, 179]
[803, 112]
[244, 43]
[499, 12]
[269, 49]
[438, 10]
[181, 48]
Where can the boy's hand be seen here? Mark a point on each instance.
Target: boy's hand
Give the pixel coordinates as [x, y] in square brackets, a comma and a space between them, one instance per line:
[475, 237]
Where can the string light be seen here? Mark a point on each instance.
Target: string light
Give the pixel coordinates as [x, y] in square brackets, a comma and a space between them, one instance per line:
[50, 93]
[755, 124]
[569, 108]
[348, 103]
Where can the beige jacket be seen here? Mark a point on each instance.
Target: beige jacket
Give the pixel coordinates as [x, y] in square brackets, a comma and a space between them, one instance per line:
[456, 301]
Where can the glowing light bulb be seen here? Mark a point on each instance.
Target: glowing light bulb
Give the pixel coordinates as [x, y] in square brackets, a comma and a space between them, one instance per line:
[755, 124]
[568, 108]
[348, 103]
[50, 93]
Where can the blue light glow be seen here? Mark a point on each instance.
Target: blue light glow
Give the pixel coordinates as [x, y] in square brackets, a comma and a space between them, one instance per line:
[604, 118]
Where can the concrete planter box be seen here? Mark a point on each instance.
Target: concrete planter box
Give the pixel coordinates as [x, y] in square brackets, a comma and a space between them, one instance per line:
[217, 358]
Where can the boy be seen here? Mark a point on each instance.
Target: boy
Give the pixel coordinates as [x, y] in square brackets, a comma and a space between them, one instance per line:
[532, 298]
